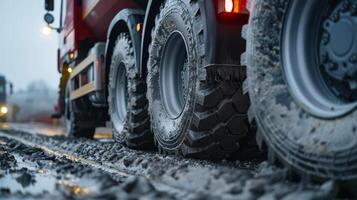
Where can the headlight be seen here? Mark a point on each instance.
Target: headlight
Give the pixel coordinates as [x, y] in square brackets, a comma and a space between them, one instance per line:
[3, 110]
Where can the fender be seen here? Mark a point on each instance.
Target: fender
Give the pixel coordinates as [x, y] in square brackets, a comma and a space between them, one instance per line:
[125, 21]
[153, 8]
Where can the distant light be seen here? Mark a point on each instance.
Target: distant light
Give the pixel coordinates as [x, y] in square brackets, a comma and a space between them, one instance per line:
[4, 110]
[139, 27]
[69, 70]
[228, 6]
[46, 30]
[71, 55]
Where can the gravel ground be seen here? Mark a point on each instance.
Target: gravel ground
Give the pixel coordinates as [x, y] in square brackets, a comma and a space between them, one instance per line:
[42, 167]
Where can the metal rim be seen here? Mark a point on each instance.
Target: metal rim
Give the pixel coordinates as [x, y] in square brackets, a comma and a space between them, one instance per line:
[121, 92]
[303, 41]
[174, 75]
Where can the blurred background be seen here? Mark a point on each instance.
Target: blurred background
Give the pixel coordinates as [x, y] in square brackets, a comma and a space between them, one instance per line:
[28, 62]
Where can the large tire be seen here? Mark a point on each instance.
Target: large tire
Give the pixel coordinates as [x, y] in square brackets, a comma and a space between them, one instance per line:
[189, 114]
[80, 117]
[313, 146]
[128, 108]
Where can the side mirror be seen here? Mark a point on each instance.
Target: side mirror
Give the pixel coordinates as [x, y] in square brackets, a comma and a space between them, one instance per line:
[11, 89]
[49, 5]
[49, 19]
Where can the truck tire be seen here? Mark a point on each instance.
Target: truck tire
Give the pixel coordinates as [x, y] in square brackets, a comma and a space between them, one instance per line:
[128, 106]
[189, 114]
[78, 124]
[301, 74]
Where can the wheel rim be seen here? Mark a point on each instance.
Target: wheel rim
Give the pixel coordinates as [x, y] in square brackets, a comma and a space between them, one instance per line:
[174, 75]
[319, 51]
[121, 100]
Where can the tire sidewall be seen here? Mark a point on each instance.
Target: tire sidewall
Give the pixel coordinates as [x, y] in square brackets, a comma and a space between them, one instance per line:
[120, 56]
[174, 17]
[295, 135]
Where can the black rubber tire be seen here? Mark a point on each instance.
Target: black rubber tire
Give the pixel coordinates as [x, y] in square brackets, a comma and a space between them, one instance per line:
[214, 117]
[134, 130]
[312, 148]
[81, 118]
[75, 123]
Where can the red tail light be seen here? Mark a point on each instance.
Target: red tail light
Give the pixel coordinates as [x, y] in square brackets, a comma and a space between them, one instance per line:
[242, 6]
[232, 6]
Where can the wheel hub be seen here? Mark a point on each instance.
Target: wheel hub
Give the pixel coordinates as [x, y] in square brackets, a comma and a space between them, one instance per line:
[338, 50]
[319, 50]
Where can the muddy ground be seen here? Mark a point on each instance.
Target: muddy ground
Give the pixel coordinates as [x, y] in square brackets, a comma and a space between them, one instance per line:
[35, 166]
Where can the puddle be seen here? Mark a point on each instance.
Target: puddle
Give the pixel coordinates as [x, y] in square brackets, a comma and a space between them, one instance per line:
[37, 184]
[26, 178]
[4, 126]
[82, 187]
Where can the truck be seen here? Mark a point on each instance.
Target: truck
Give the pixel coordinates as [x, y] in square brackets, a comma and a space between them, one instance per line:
[4, 108]
[212, 78]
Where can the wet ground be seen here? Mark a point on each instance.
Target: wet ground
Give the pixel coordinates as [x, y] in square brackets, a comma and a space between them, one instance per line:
[38, 162]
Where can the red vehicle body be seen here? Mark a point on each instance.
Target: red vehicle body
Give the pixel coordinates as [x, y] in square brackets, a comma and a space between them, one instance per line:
[88, 21]
[84, 23]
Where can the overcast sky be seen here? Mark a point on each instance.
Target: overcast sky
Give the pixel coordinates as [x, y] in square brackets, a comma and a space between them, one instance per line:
[26, 54]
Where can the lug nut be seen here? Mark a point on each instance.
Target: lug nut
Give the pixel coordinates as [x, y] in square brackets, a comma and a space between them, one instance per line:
[353, 85]
[353, 58]
[353, 9]
[335, 17]
[325, 38]
[345, 6]
[332, 66]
